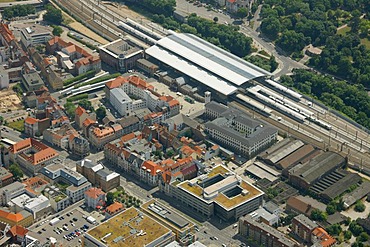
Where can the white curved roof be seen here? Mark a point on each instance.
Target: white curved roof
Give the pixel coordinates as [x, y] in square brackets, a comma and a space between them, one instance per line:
[206, 57]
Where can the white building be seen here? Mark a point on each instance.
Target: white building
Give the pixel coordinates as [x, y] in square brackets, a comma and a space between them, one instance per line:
[77, 193]
[35, 34]
[37, 206]
[121, 101]
[11, 191]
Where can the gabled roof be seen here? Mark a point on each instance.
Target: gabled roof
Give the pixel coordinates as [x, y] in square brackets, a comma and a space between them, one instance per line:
[88, 121]
[151, 167]
[18, 231]
[79, 111]
[11, 216]
[115, 207]
[30, 120]
[119, 81]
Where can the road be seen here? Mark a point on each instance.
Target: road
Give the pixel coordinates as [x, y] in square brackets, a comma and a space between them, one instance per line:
[286, 64]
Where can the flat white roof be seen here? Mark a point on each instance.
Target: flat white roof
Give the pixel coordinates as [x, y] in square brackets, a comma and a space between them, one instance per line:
[211, 58]
[193, 71]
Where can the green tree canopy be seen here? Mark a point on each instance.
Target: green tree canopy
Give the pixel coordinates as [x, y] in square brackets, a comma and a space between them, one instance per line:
[360, 206]
[57, 31]
[86, 104]
[16, 171]
[101, 113]
[53, 15]
[18, 10]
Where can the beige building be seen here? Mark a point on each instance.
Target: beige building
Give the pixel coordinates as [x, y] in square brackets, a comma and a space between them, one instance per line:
[219, 192]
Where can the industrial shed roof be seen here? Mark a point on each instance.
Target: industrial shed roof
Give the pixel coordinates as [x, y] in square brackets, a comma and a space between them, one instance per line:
[318, 166]
[295, 156]
[205, 62]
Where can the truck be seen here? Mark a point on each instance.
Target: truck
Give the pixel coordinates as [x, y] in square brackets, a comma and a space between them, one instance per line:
[54, 221]
[91, 220]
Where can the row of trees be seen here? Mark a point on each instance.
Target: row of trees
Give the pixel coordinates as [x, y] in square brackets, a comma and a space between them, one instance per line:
[351, 100]
[165, 7]
[225, 36]
[18, 10]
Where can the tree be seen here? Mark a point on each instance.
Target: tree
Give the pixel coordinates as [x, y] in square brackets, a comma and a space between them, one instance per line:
[215, 19]
[330, 209]
[316, 214]
[360, 206]
[70, 109]
[57, 31]
[53, 15]
[363, 237]
[110, 198]
[1, 120]
[334, 229]
[273, 64]
[170, 153]
[242, 12]
[271, 27]
[16, 171]
[291, 41]
[347, 235]
[18, 10]
[84, 103]
[101, 113]
[355, 228]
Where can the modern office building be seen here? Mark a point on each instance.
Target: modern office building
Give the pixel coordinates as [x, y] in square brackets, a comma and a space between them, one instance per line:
[120, 54]
[219, 192]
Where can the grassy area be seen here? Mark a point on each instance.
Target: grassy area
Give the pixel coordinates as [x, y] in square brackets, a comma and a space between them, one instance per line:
[344, 30]
[17, 125]
[366, 42]
[217, 170]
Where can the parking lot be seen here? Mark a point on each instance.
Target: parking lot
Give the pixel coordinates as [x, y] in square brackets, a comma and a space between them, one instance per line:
[187, 108]
[70, 224]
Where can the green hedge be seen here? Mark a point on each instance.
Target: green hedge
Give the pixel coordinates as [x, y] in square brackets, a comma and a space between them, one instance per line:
[78, 97]
[88, 74]
[100, 79]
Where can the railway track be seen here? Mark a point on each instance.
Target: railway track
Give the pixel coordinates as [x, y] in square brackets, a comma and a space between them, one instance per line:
[87, 16]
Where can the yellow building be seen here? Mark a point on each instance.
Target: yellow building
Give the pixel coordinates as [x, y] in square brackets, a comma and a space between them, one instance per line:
[23, 218]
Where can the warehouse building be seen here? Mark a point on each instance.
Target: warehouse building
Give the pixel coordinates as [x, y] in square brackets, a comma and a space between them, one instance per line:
[214, 68]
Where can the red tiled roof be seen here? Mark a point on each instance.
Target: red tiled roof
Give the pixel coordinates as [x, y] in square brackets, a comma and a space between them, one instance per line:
[30, 120]
[6, 33]
[151, 167]
[79, 111]
[94, 192]
[115, 207]
[11, 216]
[88, 121]
[119, 81]
[325, 239]
[18, 231]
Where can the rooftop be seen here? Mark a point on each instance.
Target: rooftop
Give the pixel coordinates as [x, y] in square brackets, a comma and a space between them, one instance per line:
[318, 166]
[222, 187]
[94, 192]
[125, 229]
[120, 48]
[163, 213]
[210, 58]
[305, 221]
